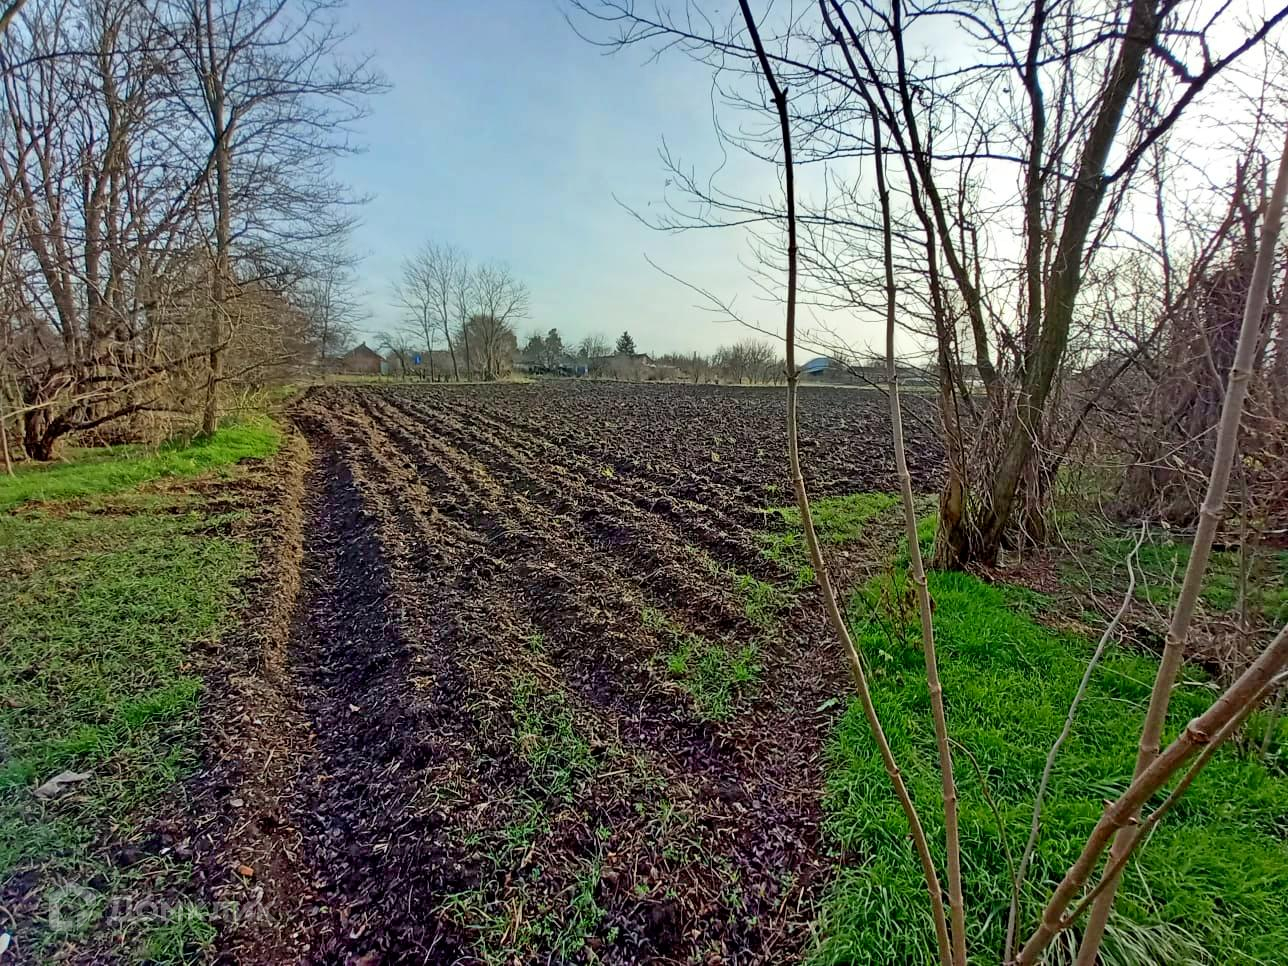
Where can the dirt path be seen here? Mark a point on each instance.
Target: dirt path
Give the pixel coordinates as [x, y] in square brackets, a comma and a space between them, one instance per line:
[503, 764]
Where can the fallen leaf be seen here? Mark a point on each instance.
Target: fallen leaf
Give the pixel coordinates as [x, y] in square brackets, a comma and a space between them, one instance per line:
[60, 783]
[245, 870]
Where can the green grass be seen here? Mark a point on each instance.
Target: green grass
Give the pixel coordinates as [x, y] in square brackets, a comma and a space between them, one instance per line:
[562, 763]
[713, 675]
[547, 737]
[101, 613]
[1213, 877]
[185, 935]
[103, 607]
[762, 601]
[89, 472]
[561, 924]
[716, 676]
[1162, 565]
[837, 520]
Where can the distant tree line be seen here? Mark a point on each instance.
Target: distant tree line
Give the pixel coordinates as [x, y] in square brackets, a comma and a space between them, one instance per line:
[748, 361]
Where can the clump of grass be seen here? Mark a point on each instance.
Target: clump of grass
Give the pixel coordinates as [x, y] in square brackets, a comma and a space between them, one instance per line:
[787, 548]
[715, 676]
[837, 519]
[584, 913]
[761, 600]
[185, 935]
[518, 836]
[546, 735]
[1213, 876]
[88, 472]
[556, 928]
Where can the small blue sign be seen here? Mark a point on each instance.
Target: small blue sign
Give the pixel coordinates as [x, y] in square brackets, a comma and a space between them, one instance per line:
[416, 359]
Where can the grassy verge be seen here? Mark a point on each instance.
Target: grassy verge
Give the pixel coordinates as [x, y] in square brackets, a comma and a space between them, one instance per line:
[1210, 886]
[1162, 561]
[90, 472]
[103, 606]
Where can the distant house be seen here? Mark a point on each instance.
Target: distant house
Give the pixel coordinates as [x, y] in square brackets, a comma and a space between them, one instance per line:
[421, 364]
[361, 361]
[838, 372]
[632, 367]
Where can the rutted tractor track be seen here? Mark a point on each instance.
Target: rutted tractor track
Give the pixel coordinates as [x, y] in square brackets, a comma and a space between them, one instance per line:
[504, 770]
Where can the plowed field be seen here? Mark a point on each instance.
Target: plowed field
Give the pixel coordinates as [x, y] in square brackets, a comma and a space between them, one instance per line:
[561, 707]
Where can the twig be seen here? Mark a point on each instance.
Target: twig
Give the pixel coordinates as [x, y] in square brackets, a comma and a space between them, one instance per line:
[1201, 734]
[1034, 829]
[821, 573]
[1115, 868]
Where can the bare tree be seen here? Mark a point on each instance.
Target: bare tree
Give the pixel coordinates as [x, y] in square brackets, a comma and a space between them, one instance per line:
[749, 360]
[274, 98]
[1067, 105]
[593, 347]
[163, 162]
[10, 11]
[330, 301]
[822, 574]
[431, 283]
[94, 211]
[493, 345]
[1232, 408]
[499, 295]
[398, 349]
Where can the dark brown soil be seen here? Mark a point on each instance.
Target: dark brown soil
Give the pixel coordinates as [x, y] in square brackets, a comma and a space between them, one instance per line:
[489, 757]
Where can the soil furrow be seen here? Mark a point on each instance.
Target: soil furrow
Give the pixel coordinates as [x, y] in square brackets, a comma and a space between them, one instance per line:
[507, 764]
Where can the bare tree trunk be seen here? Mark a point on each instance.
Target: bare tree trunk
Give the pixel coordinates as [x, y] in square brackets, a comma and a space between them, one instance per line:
[451, 351]
[1043, 363]
[1209, 516]
[222, 133]
[4, 443]
[821, 573]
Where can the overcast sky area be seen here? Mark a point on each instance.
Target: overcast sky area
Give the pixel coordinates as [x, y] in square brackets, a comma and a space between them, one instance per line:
[506, 134]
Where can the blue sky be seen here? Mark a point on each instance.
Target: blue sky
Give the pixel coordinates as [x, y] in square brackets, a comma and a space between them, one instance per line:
[508, 135]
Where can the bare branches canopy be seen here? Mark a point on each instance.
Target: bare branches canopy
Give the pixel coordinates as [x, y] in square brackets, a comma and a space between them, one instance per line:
[168, 198]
